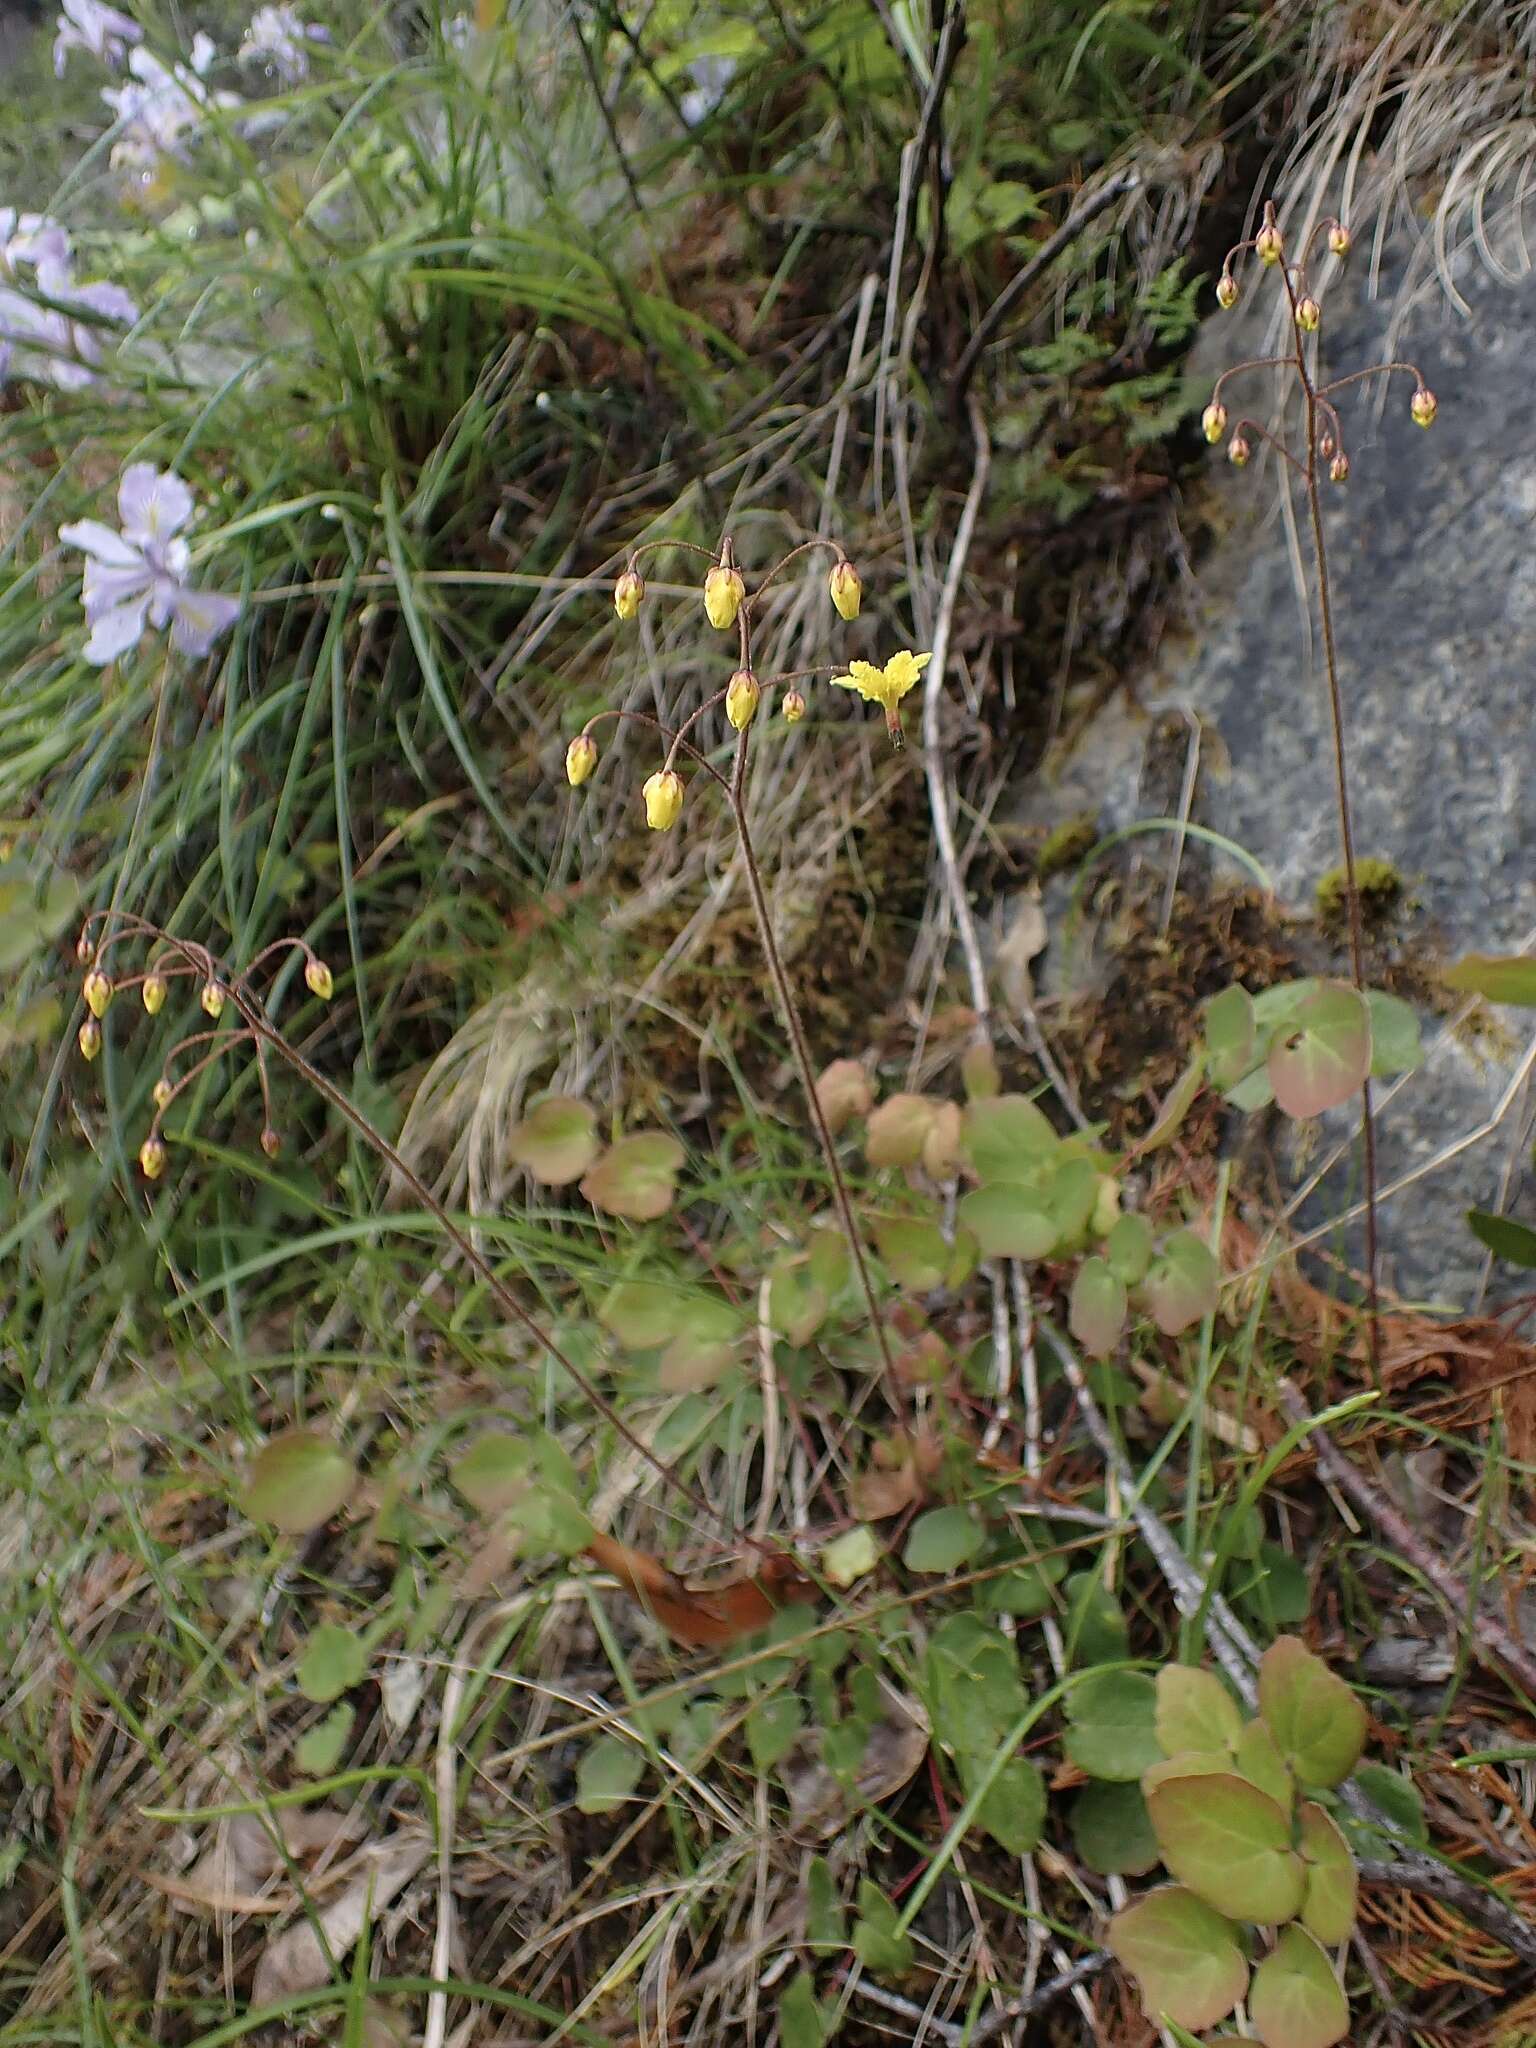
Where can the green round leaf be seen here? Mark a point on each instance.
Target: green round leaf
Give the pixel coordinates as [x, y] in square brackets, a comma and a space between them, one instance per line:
[608, 1773]
[878, 1941]
[1183, 1955]
[1009, 1222]
[1195, 1711]
[1325, 1054]
[1395, 1047]
[1128, 1248]
[333, 1662]
[797, 1306]
[1333, 1883]
[318, 1751]
[851, 1556]
[1296, 2000]
[297, 1481]
[557, 1141]
[1397, 1800]
[1229, 1036]
[640, 1314]
[1258, 1759]
[1183, 1283]
[1112, 1830]
[493, 1472]
[636, 1178]
[1007, 1136]
[942, 1540]
[1230, 1843]
[773, 1727]
[1316, 1720]
[914, 1250]
[1111, 1731]
[1096, 1313]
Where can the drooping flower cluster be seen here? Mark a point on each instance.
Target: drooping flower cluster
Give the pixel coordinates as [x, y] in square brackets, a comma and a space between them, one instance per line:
[138, 577]
[50, 325]
[727, 606]
[280, 40]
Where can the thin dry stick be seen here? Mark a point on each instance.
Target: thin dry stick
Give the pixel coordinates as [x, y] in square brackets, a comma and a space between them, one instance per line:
[1487, 1630]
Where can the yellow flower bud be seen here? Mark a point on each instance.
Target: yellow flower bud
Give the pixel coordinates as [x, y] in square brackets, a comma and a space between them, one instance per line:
[663, 793]
[154, 993]
[97, 991]
[317, 979]
[1213, 421]
[628, 594]
[213, 999]
[152, 1158]
[1338, 239]
[1226, 291]
[723, 594]
[580, 759]
[793, 707]
[271, 1142]
[1238, 450]
[846, 589]
[163, 1092]
[1267, 245]
[1309, 315]
[90, 1039]
[1424, 407]
[1338, 469]
[741, 698]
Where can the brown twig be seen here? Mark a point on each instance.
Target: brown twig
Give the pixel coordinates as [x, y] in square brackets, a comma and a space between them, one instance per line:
[1485, 1628]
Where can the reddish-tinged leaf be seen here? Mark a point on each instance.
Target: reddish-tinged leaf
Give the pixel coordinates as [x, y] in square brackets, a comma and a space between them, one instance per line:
[1230, 1843]
[1316, 1720]
[844, 1091]
[1183, 1955]
[1195, 1711]
[1183, 1283]
[557, 1141]
[898, 1129]
[1096, 1313]
[1333, 1883]
[1324, 1055]
[1296, 2000]
[297, 1481]
[636, 1178]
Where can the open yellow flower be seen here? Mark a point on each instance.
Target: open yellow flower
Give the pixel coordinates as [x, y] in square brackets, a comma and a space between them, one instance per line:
[885, 686]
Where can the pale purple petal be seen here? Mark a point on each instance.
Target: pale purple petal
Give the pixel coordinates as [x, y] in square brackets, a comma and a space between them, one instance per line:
[152, 504]
[201, 616]
[102, 544]
[115, 632]
[105, 588]
[111, 301]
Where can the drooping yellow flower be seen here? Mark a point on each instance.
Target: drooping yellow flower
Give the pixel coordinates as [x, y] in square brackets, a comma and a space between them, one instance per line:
[724, 593]
[885, 686]
[663, 793]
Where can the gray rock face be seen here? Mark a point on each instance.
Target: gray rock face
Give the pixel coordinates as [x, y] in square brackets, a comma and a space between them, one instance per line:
[1433, 559]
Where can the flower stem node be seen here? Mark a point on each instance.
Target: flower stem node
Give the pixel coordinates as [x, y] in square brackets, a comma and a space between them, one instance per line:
[152, 1158]
[793, 706]
[1239, 449]
[213, 999]
[1226, 291]
[319, 980]
[163, 1092]
[629, 594]
[663, 793]
[580, 759]
[1338, 239]
[1424, 407]
[271, 1142]
[1309, 314]
[90, 1039]
[154, 992]
[1267, 245]
[846, 589]
[1213, 421]
[97, 990]
[1338, 469]
[724, 592]
[741, 699]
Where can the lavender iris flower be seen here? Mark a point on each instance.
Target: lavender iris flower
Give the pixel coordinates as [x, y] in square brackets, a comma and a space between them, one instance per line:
[139, 576]
[277, 37]
[87, 25]
[42, 338]
[163, 103]
[711, 81]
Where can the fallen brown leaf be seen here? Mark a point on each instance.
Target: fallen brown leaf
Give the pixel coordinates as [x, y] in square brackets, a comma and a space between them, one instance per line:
[296, 1960]
[702, 1615]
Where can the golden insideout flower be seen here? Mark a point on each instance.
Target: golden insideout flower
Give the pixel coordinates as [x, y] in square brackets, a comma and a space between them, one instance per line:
[885, 686]
[319, 980]
[793, 706]
[723, 594]
[1226, 291]
[163, 1091]
[90, 1039]
[1213, 421]
[629, 594]
[741, 698]
[153, 991]
[213, 999]
[663, 793]
[1267, 245]
[1309, 315]
[1424, 407]
[152, 1158]
[580, 759]
[97, 991]
[1338, 239]
[846, 589]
